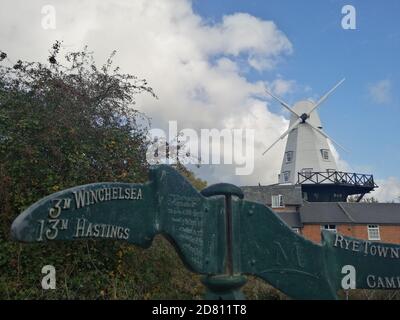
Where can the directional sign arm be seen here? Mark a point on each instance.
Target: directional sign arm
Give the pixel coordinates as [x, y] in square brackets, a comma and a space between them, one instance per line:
[269, 249]
[168, 204]
[119, 211]
[302, 269]
[372, 265]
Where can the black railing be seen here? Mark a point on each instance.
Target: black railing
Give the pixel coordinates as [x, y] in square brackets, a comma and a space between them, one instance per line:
[337, 177]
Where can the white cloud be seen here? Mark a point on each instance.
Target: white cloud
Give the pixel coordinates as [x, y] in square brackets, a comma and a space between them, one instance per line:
[281, 86]
[380, 92]
[388, 191]
[242, 33]
[196, 68]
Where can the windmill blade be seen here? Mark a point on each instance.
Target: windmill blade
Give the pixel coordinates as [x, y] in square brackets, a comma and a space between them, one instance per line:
[284, 134]
[283, 103]
[326, 136]
[320, 101]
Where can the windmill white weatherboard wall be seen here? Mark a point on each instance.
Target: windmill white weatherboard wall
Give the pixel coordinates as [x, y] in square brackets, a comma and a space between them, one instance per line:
[308, 159]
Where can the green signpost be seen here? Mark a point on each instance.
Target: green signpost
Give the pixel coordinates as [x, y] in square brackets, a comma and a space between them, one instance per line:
[216, 233]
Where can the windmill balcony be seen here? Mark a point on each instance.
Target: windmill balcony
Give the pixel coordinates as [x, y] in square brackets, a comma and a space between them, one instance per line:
[337, 177]
[334, 185]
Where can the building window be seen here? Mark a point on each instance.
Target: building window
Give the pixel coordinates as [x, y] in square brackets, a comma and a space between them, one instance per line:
[373, 232]
[286, 176]
[289, 156]
[329, 227]
[297, 230]
[325, 154]
[277, 201]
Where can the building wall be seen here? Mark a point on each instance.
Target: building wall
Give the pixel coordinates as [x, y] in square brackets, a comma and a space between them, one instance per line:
[312, 232]
[388, 233]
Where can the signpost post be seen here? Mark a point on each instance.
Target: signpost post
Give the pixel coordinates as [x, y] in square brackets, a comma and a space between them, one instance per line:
[216, 233]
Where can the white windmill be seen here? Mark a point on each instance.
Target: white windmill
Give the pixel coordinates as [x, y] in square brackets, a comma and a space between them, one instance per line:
[308, 159]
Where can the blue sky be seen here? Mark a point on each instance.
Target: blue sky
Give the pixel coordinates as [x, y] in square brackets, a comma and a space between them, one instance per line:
[323, 53]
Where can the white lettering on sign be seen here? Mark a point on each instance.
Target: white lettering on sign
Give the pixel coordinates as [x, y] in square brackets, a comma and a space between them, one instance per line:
[89, 197]
[50, 228]
[380, 282]
[60, 204]
[367, 247]
[86, 229]
[188, 223]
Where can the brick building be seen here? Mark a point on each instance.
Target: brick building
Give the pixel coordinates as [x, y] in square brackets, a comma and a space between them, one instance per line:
[362, 220]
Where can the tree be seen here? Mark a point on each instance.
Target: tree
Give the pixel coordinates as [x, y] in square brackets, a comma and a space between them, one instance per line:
[65, 125]
[198, 183]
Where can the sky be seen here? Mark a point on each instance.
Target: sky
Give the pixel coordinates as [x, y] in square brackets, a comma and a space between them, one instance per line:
[210, 61]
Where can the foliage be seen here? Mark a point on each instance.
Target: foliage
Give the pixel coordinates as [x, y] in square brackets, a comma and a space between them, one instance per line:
[67, 125]
[364, 294]
[189, 175]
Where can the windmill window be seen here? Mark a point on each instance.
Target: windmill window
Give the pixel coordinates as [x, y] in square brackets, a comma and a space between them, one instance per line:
[289, 156]
[286, 176]
[277, 201]
[373, 232]
[329, 227]
[325, 154]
